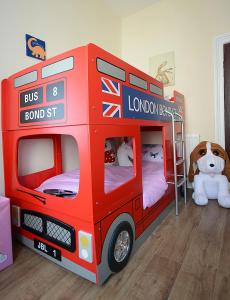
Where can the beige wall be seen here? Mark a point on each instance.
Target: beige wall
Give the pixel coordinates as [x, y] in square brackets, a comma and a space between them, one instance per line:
[188, 28]
[62, 24]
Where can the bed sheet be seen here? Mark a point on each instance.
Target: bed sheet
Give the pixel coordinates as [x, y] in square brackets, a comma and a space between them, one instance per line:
[154, 184]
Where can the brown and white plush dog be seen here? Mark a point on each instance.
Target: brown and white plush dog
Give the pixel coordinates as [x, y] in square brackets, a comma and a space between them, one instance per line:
[210, 171]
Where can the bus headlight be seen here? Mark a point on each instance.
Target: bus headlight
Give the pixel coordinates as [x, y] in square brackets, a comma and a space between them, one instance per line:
[85, 246]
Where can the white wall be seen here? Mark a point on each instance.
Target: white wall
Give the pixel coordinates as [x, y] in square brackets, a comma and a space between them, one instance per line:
[34, 156]
[70, 154]
[62, 24]
[188, 28]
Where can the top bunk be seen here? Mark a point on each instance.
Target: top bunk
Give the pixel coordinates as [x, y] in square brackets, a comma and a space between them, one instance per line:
[84, 86]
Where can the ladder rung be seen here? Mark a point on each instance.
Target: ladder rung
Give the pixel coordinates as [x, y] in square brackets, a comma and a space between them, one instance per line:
[170, 182]
[179, 141]
[181, 121]
[180, 161]
[180, 182]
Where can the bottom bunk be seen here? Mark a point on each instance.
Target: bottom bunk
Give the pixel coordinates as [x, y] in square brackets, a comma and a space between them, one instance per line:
[153, 181]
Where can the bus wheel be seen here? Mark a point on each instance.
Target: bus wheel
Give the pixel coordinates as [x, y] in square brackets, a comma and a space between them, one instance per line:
[120, 247]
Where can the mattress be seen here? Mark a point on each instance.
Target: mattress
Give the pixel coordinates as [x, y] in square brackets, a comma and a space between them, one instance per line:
[153, 180]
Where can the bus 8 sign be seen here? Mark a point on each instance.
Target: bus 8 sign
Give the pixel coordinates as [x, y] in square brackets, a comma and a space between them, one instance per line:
[31, 97]
[52, 93]
[55, 91]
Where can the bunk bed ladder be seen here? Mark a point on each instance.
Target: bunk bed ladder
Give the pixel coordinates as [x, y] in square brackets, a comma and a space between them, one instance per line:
[179, 179]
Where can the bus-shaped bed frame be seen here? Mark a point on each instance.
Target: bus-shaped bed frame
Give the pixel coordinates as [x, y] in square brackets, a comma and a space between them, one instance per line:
[91, 95]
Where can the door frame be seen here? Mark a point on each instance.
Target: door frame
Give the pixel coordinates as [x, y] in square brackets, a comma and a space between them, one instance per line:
[219, 43]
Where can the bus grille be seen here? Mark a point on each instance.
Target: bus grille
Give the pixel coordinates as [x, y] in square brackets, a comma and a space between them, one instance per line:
[33, 222]
[59, 233]
[49, 228]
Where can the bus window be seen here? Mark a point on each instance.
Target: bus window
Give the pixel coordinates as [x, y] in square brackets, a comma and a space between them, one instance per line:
[35, 155]
[118, 163]
[25, 79]
[137, 81]
[156, 89]
[49, 164]
[109, 69]
[58, 67]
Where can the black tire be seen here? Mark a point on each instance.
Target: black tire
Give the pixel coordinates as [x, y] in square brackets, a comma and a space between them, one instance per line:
[116, 263]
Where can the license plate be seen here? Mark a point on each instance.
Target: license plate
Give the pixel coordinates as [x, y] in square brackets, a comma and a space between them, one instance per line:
[47, 249]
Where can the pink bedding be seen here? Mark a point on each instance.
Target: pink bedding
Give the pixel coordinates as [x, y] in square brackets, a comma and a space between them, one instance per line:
[154, 184]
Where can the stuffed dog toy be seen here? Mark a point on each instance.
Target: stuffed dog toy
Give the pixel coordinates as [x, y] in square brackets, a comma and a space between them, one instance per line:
[210, 171]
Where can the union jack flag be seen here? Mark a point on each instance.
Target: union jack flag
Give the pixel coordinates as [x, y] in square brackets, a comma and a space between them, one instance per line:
[111, 110]
[110, 86]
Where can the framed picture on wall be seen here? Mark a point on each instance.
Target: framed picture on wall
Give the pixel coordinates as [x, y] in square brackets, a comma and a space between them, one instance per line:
[162, 67]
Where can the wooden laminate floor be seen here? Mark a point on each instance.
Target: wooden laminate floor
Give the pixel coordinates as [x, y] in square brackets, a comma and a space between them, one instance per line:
[186, 257]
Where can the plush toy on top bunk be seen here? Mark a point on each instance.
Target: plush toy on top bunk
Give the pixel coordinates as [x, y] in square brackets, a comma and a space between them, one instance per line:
[210, 173]
[153, 179]
[150, 152]
[125, 153]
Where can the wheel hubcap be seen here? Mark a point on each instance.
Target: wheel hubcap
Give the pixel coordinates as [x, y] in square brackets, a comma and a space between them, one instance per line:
[122, 246]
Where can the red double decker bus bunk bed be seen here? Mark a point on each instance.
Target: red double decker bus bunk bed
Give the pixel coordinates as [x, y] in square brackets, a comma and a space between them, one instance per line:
[88, 152]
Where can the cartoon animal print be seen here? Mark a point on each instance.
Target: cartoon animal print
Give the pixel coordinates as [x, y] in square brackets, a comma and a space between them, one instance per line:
[163, 74]
[36, 50]
[152, 152]
[3, 258]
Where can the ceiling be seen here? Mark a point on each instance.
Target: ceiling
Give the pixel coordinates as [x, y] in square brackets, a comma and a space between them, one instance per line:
[124, 8]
